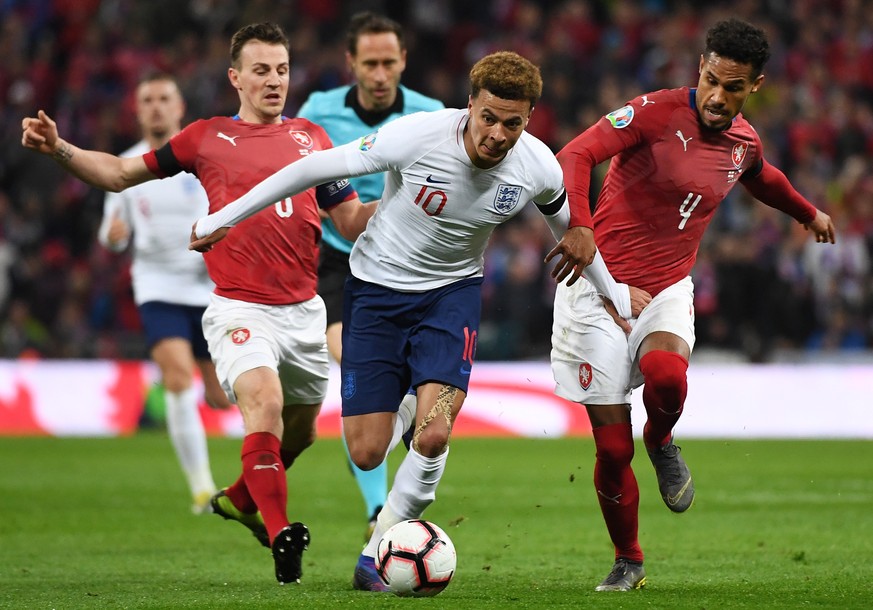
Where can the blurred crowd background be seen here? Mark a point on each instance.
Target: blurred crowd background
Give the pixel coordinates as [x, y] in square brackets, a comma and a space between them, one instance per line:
[764, 290]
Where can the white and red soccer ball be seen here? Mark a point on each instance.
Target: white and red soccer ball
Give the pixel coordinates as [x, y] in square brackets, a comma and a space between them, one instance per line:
[416, 558]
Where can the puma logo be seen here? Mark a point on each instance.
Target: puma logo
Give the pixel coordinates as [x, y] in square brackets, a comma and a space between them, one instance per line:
[684, 141]
[274, 466]
[646, 100]
[613, 499]
[232, 140]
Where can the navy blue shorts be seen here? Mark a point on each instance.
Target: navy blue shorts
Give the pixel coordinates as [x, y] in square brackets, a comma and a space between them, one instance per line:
[164, 320]
[393, 340]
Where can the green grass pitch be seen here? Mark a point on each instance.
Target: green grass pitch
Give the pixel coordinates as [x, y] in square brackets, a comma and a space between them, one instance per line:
[105, 523]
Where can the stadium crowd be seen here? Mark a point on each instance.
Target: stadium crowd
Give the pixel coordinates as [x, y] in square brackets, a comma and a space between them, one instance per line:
[762, 285]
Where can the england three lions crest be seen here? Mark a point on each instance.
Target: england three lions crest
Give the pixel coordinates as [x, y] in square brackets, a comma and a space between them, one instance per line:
[349, 385]
[507, 198]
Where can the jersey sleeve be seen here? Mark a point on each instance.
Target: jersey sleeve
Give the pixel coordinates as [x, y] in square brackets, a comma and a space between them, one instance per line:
[177, 155]
[392, 147]
[770, 186]
[334, 192]
[767, 184]
[551, 198]
[553, 184]
[598, 274]
[321, 167]
[619, 130]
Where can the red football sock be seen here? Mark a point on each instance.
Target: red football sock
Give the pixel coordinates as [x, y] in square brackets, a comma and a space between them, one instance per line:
[265, 479]
[617, 489]
[666, 386]
[240, 497]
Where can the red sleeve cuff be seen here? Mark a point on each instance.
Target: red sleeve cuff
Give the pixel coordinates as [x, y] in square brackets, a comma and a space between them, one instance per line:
[151, 161]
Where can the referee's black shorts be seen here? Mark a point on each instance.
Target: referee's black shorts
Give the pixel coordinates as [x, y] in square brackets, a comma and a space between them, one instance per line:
[333, 268]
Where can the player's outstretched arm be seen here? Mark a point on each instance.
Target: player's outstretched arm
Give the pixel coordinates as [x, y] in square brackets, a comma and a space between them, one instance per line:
[576, 250]
[772, 187]
[318, 168]
[823, 228]
[351, 217]
[101, 170]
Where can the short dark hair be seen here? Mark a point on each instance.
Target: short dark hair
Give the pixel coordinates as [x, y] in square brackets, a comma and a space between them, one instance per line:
[267, 32]
[507, 75]
[739, 41]
[368, 22]
[152, 76]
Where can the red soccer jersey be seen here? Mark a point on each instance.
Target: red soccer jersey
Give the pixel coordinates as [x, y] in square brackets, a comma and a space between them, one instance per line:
[667, 176]
[272, 257]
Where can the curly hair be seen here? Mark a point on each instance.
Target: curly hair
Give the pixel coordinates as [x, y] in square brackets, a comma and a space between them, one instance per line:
[267, 32]
[739, 41]
[507, 75]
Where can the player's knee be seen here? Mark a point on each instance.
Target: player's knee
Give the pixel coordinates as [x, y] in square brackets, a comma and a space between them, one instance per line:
[432, 441]
[366, 457]
[614, 450]
[176, 381]
[263, 415]
[665, 373]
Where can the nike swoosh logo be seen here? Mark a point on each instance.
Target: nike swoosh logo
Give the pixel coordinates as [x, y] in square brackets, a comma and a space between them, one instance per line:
[266, 466]
[673, 500]
[433, 180]
[464, 371]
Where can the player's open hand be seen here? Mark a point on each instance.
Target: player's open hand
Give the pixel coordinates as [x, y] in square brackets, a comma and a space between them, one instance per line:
[823, 227]
[205, 244]
[40, 133]
[577, 250]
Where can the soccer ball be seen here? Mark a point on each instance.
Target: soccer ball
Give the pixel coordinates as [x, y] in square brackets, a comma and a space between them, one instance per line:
[416, 558]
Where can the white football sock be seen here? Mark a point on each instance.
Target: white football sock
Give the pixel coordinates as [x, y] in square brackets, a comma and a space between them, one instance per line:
[189, 439]
[414, 489]
[405, 418]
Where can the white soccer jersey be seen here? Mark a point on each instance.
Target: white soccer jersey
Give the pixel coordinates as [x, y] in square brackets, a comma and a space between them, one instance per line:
[438, 210]
[160, 214]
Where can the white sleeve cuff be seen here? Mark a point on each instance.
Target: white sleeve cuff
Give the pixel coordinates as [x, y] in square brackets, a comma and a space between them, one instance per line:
[602, 280]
